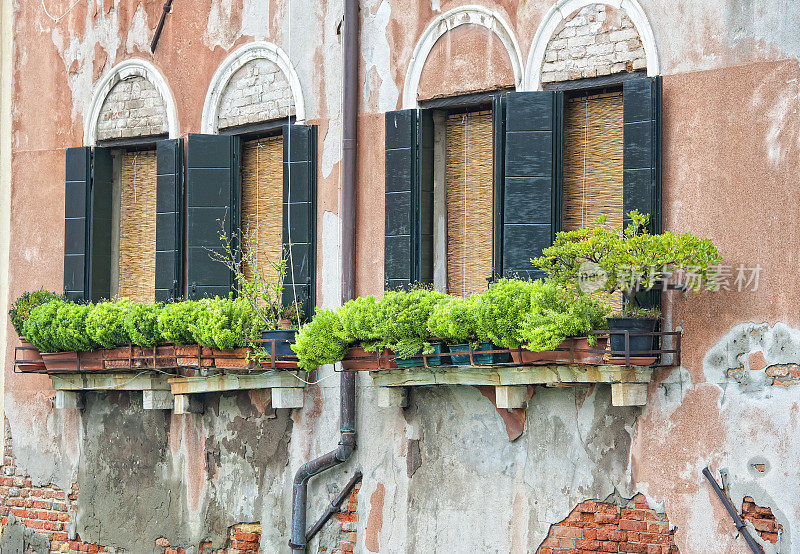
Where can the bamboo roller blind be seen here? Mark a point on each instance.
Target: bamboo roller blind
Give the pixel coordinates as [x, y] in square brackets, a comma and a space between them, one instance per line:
[468, 189]
[262, 199]
[137, 233]
[592, 176]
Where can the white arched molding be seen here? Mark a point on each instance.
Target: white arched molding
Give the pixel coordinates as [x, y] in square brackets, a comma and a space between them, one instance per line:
[463, 15]
[120, 72]
[561, 11]
[234, 62]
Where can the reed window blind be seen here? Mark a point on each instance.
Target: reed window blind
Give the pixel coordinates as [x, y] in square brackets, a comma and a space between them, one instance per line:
[592, 160]
[136, 254]
[261, 208]
[469, 193]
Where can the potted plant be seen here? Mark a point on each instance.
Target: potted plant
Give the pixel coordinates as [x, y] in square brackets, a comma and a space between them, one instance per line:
[227, 326]
[498, 315]
[174, 320]
[278, 321]
[629, 261]
[27, 355]
[141, 323]
[105, 324]
[320, 341]
[552, 330]
[403, 324]
[453, 321]
[359, 318]
[58, 330]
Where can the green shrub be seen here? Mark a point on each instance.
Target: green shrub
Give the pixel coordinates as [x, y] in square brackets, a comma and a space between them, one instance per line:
[500, 309]
[453, 321]
[70, 327]
[321, 341]
[174, 321]
[21, 308]
[106, 323]
[359, 319]
[40, 327]
[141, 324]
[403, 319]
[558, 313]
[224, 324]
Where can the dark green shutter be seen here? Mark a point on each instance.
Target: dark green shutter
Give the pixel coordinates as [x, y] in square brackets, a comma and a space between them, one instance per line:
[531, 179]
[300, 214]
[169, 220]
[101, 200]
[408, 241]
[498, 180]
[641, 185]
[76, 212]
[641, 108]
[213, 177]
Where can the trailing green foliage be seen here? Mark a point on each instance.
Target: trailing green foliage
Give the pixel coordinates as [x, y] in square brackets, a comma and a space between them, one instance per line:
[403, 319]
[224, 324]
[106, 323]
[174, 320]
[321, 341]
[499, 311]
[359, 318]
[141, 323]
[453, 321]
[557, 313]
[21, 308]
[40, 327]
[629, 261]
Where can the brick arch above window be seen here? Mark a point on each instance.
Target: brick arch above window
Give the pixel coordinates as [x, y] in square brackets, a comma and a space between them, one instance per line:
[557, 19]
[253, 60]
[463, 15]
[132, 99]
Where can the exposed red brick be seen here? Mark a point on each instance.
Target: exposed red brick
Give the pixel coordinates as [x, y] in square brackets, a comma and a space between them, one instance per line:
[762, 519]
[595, 526]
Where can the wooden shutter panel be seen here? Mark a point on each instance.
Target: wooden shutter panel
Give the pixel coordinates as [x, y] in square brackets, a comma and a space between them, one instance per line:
[641, 105]
[641, 176]
[101, 201]
[213, 190]
[408, 240]
[531, 179]
[76, 212]
[169, 220]
[300, 214]
[498, 180]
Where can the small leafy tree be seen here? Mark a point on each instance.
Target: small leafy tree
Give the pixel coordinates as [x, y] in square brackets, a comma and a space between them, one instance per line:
[265, 296]
[628, 261]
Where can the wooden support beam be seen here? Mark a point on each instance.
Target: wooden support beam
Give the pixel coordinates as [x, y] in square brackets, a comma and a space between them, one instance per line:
[157, 400]
[188, 404]
[628, 394]
[68, 400]
[287, 397]
[511, 397]
[392, 397]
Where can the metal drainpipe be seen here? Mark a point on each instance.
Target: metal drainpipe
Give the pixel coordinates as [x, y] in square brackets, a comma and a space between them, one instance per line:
[347, 444]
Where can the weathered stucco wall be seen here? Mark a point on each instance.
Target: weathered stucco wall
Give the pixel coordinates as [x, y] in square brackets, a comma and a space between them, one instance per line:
[440, 475]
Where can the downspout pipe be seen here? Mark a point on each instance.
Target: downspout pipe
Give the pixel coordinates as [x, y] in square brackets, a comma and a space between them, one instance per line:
[347, 387]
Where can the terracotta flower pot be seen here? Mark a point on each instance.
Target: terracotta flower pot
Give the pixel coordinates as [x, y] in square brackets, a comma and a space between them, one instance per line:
[562, 354]
[60, 362]
[28, 358]
[91, 360]
[231, 359]
[358, 358]
[193, 355]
